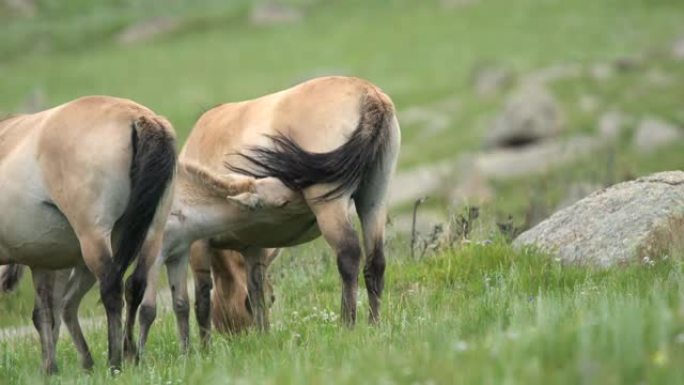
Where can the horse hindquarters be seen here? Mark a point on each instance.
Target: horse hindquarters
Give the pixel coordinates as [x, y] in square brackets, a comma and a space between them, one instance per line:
[93, 220]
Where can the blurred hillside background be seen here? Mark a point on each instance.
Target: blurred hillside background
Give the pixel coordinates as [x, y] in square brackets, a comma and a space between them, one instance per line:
[514, 105]
[509, 109]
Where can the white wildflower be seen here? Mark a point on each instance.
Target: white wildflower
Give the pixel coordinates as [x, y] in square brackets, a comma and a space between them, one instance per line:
[648, 261]
[461, 346]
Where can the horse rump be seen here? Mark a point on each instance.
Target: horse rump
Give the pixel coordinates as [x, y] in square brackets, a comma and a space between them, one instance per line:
[152, 170]
[346, 167]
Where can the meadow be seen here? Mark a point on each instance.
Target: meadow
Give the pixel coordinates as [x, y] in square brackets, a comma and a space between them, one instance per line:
[473, 311]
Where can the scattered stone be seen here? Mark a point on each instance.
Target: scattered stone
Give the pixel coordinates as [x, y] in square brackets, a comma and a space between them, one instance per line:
[628, 63]
[610, 125]
[659, 78]
[274, 13]
[147, 30]
[466, 179]
[553, 73]
[432, 118]
[450, 104]
[430, 121]
[628, 222]
[652, 134]
[531, 114]
[472, 189]
[678, 49]
[510, 163]
[588, 103]
[25, 8]
[490, 80]
[602, 71]
[407, 186]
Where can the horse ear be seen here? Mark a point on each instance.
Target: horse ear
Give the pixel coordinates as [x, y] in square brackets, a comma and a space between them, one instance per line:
[249, 200]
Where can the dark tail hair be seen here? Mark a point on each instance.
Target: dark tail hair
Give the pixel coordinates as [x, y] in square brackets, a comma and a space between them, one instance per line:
[10, 275]
[346, 166]
[152, 169]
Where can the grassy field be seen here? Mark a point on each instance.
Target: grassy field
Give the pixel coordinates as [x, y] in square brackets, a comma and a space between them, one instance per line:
[479, 314]
[475, 313]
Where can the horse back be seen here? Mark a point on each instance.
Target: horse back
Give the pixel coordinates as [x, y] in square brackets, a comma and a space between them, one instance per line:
[319, 115]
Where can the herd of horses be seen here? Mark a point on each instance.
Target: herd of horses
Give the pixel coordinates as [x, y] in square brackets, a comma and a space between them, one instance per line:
[95, 184]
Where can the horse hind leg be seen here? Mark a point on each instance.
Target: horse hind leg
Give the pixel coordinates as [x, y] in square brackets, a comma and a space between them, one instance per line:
[177, 271]
[80, 281]
[137, 285]
[43, 317]
[371, 208]
[134, 291]
[257, 261]
[200, 262]
[333, 221]
[58, 290]
[97, 254]
[373, 224]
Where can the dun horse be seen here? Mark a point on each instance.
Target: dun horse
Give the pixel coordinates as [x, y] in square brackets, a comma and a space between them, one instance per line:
[320, 146]
[84, 185]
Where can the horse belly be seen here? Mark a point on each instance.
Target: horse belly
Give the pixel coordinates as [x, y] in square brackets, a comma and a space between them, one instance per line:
[40, 238]
[33, 232]
[272, 229]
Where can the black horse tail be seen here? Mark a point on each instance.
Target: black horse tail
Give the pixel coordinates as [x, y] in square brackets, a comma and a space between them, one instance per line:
[10, 275]
[346, 167]
[152, 170]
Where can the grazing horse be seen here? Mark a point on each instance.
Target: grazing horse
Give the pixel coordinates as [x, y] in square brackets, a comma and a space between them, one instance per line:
[84, 186]
[320, 147]
[231, 311]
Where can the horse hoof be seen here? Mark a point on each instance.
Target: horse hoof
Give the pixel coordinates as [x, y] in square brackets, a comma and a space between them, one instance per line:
[87, 363]
[51, 369]
[131, 354]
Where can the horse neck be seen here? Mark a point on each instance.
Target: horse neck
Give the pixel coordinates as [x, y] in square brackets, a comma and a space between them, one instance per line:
[229, 277]
[228, 297]
[202, 219]
[196, 214]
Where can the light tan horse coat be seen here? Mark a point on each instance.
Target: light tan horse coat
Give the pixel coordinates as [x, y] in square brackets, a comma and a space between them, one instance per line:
[328, 144]
[84, 185]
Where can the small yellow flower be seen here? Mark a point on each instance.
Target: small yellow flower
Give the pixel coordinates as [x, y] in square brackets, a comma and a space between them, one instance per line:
[660, 358]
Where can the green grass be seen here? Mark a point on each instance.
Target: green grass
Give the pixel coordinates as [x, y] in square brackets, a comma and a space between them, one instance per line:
[479, 314]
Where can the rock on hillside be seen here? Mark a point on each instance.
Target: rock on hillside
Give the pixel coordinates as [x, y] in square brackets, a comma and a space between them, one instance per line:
[531, 114]
[630, 221]
[652, 134]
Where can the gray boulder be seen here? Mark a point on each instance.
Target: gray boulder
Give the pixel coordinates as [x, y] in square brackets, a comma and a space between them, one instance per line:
[489, 80]
[531, 114]
[638, 220]
[611, 124]
[652, 134]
